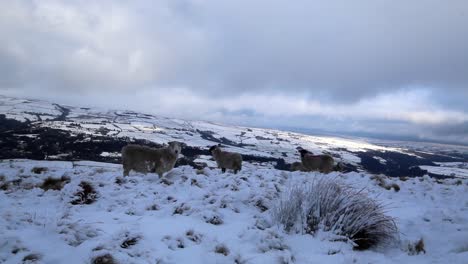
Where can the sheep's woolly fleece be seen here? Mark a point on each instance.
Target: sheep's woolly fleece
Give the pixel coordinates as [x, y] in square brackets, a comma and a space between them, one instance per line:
[208, 217]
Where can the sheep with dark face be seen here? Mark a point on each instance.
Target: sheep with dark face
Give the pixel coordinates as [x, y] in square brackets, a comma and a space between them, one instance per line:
[145, 159]
[311, 162]
[226, 160]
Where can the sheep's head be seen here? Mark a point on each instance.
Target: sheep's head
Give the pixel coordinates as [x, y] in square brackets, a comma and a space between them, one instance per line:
[304, 152]
[214, 148]
[175, 147]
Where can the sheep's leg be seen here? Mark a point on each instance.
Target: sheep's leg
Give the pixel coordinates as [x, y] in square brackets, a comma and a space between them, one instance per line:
[160, 173]
[125, 172]
[223, 170]
[235, 171]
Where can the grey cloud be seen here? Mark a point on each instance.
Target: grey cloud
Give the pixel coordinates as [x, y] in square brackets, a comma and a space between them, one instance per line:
[337, 53]
[331, 49]
[348, 49]
[453, 130]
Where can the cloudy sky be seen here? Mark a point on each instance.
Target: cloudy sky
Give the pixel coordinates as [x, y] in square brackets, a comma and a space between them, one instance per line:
[393, 67]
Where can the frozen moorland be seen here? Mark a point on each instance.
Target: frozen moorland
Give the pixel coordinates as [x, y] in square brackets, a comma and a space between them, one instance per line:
[57, 132]
[205, 216]
[63, 198]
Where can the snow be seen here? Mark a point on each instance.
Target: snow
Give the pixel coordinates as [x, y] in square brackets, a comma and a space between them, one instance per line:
[447, 170]
[110, 154]
[261, 142]
[187, 215]
[171, 218]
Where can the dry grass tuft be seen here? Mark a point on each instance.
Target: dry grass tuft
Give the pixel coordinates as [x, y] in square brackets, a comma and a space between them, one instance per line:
[222, 249]
[38, 170]
[194, 237]
[153, 207]
[215, 220]
[333, 206]
[395, 187]
[416, 248]
[87, 194]
[4, 186]
[54, 183]
[130, 241]
[104, 259]
[32, 258]
[384, 184]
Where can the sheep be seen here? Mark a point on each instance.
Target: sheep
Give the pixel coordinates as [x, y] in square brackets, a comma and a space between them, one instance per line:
[297, 166]
[145, 159]
[311, 162]
[226, 160]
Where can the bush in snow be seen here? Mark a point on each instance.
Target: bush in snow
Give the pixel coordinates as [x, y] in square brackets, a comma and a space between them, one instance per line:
[104, 259]
[416, 248]
[222, 249]
[38, 170]
[32, 258]
[329, 205]
[87, 194]
[3, 183]
[193, 236]
[54, 183]
[383, 183]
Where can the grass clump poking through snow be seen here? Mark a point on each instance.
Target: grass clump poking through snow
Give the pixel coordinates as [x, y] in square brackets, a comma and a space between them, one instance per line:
[130, 241]
[222, 249]
[54, 183]
[87, 194]
[416, 248]
[329, 205]
[104, 259]
[384, 184]
[38, 170]
[32, 258]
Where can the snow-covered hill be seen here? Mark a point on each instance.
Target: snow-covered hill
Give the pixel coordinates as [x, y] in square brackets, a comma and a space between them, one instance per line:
[204, 216]
[63, 198]
[56, 132]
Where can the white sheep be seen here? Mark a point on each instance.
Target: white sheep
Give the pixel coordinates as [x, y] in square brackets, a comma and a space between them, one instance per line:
[311, 162]
[145, 159]
[226, 160]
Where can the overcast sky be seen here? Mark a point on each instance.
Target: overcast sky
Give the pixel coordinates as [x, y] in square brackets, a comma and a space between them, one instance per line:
[376, 66]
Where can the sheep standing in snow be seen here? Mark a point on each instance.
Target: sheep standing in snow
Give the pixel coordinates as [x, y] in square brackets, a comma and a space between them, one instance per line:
[145, 159]
[311, 162]
[226, 160]
[297, 166]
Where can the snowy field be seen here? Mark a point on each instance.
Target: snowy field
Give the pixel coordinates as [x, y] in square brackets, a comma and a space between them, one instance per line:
[458, 169]
[205, 216]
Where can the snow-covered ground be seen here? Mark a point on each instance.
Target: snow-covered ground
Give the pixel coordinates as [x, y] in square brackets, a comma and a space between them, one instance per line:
[118, 123]
[456, 169]
[259, 142]
[204, 216]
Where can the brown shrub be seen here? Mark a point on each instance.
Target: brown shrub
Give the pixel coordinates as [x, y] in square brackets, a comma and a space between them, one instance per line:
[131, 241]
[54, 183]
[33, 257]
[38, 170]
[222, 249]
[104, 259]
[416, 248]
[87, 194]
[215, 220]
[395, 187]
[194, 237]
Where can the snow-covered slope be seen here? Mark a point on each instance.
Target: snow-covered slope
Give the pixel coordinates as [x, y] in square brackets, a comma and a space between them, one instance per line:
[196, 214]
[204, 216]
[59, 128]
